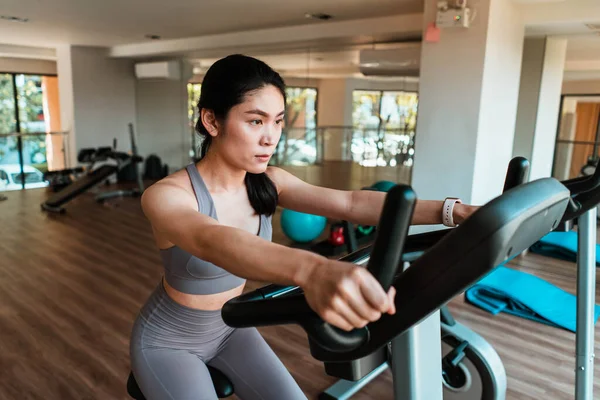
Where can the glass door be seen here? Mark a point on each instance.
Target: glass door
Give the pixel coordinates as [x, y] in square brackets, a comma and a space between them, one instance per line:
[30, 141]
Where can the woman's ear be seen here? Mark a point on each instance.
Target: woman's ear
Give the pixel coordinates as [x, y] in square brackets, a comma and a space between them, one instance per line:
[210, 122]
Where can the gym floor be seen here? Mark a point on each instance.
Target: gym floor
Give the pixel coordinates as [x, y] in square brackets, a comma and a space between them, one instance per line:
[72, 285]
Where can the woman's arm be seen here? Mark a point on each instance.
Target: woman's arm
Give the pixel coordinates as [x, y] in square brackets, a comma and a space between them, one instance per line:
[173, 212]
[357, 206]
[367, 206]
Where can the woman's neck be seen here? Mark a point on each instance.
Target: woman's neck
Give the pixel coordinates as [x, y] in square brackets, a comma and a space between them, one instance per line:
[220, 176]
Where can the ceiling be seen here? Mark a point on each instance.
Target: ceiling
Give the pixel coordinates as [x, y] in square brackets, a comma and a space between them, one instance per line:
[582, 60]
[114, 22]
[276, 31]
[583, 47]
[306, 64]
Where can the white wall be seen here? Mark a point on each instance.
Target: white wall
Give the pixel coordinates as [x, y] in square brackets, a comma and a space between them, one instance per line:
[539, 103]
[162, 119]
[104, 98]
[531, 77]
[301, 82]
[27, 66]
[97, 97]
[499, 98]
[581, 87]
[547, 113]
[564, 151]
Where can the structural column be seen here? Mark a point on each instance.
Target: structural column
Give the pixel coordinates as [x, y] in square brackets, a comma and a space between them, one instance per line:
[469, 87]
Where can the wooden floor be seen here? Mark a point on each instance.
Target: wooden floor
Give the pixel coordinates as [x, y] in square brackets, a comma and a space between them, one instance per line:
[71, 285]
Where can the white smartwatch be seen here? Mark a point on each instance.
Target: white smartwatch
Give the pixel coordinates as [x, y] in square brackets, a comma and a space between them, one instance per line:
[447, 211]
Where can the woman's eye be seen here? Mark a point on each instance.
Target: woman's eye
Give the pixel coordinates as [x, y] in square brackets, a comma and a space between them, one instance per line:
[279, 121]
[256, 122]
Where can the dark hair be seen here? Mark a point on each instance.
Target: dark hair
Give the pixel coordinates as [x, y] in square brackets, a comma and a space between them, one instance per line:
[224, 86]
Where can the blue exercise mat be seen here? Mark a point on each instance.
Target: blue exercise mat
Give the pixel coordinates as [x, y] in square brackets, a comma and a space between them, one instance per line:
[561, 245]
[527, 296]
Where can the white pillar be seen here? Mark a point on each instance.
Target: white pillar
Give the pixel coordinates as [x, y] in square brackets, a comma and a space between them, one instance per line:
[539, 103]
[468, 96]
[331, 110]
[64, 70]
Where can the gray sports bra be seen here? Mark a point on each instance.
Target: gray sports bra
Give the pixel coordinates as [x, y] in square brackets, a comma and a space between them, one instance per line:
[189, 274]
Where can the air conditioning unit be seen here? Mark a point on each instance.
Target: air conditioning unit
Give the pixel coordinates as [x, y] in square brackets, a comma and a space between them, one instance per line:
[170, 70]
[401, 61]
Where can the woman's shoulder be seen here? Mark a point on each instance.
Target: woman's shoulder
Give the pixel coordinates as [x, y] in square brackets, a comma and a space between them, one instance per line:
[175, 186]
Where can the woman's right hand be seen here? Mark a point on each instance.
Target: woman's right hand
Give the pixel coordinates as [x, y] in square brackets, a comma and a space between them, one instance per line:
[346, 295]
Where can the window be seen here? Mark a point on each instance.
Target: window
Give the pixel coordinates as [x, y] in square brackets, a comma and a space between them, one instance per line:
[577, 148]
[27, 103]
[384, 124]
[299, 142]
[301, 107]
[193, 97]
[8, 123]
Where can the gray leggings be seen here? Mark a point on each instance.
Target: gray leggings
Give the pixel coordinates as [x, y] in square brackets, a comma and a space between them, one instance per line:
[171, 345]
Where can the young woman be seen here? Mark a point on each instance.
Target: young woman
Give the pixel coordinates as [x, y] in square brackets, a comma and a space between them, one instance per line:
[212, 224]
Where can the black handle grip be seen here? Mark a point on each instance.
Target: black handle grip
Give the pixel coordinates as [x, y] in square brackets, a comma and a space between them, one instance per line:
[350, 237]
[252, 309]
[517, 173]
[334, 339]
[392, 231]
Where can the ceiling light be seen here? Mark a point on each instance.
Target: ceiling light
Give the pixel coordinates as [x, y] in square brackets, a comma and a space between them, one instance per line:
[13, 18]
[321, 16]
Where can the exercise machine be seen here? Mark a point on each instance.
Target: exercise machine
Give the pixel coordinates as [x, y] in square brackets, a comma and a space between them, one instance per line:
[105, 162]
[126, 161]
[499, 230]
[585, 197]
[471, 368]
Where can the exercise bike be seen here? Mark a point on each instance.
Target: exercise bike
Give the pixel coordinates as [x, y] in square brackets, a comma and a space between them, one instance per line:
[471, 368]
[451, 262]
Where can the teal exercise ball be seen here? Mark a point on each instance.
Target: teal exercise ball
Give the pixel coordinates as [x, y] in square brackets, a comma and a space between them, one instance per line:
[384, 186]
[302, 227]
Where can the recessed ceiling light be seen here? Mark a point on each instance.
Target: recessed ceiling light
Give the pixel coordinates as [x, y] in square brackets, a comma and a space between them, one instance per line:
[153, 37]
[321, 16]
[13, 18]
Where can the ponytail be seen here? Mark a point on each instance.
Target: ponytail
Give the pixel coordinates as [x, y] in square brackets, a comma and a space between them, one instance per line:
[262, 193]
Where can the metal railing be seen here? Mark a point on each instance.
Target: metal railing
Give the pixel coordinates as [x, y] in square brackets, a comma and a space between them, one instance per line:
[369, 147]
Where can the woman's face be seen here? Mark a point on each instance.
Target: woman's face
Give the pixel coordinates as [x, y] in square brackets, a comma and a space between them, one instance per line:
[252, 130]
